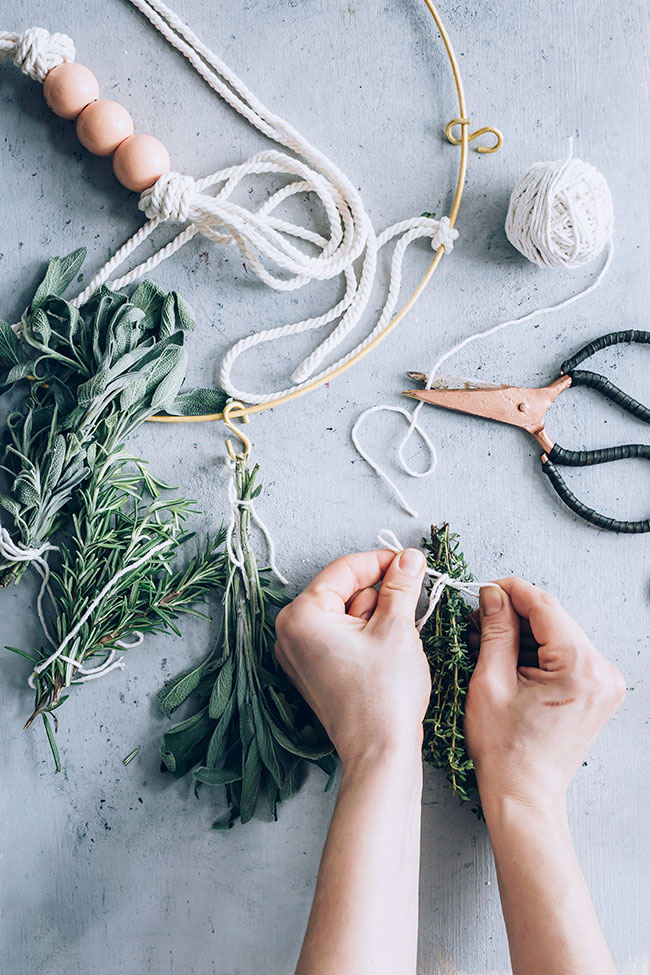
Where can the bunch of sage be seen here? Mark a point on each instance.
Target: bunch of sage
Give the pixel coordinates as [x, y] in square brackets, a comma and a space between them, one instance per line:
[444, 637]
[250, 730]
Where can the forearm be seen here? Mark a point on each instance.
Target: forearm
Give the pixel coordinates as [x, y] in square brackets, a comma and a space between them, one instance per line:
[365, 913]
[550, 918]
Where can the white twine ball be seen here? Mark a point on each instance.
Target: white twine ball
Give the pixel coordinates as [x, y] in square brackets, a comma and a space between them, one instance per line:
[560, 213]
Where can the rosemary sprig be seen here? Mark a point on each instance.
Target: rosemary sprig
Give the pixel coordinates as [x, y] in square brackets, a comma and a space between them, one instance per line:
[123, 516]
[445, 644]
[251, 729]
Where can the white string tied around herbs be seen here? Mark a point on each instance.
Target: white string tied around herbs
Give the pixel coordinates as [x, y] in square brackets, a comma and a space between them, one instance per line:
[35, 51]
[388, 539]
[560, 215]
[233, 533]
[91, 673]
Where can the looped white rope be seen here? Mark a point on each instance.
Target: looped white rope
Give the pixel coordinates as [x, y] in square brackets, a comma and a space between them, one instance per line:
[36, 51]
[233, 533]
[388, 539]
[265, 241]
[109, 664]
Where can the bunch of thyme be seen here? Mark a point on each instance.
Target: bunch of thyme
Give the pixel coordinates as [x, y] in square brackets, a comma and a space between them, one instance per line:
[251, 729]
[451, 664]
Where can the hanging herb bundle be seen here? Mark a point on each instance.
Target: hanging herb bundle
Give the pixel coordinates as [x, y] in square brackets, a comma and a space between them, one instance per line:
[451, 664]
[251, 729]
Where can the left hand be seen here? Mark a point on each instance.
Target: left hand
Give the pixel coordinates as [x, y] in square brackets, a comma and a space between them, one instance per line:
[355, 655]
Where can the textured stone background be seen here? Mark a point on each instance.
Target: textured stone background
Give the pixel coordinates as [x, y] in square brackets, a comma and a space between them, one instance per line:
[114, 870]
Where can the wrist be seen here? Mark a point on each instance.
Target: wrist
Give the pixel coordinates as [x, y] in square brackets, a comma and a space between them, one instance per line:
[394, 756]
[507, 814]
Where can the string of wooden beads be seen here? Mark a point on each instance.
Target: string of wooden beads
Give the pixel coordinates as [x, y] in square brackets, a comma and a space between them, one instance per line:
[71, 90]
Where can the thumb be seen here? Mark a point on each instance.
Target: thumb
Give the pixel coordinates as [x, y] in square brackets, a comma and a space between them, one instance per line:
[499, 653]
[400, 587]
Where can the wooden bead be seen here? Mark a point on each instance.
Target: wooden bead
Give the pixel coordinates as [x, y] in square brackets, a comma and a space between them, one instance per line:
[102, 126]
[68, 88]
[139, 161]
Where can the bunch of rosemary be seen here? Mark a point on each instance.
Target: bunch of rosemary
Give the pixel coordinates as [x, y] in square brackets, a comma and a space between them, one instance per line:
[86, 379]
[251, 729]
[451, 663]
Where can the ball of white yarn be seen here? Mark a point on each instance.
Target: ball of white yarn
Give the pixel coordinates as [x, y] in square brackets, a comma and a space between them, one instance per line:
[560, 213]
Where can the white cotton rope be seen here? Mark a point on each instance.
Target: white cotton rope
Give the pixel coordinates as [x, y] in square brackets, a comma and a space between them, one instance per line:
[262, 238]
[560, 215]
[388, 539]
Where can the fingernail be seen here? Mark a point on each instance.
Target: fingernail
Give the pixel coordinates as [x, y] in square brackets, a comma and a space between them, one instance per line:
[490, 600]
[366, 616]
[411, 562]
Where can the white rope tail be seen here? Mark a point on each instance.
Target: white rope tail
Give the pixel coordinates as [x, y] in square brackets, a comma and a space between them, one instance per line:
[388, 539]
[234, 533]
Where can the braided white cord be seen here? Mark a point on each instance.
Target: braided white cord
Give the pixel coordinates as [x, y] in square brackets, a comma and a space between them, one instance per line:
[262, 237]
[36, 51]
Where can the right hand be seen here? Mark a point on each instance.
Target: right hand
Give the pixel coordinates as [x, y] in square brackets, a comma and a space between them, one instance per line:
[528, 728]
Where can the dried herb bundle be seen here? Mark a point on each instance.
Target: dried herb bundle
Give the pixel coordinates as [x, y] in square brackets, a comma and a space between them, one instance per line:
[251, 729]
[445, 644]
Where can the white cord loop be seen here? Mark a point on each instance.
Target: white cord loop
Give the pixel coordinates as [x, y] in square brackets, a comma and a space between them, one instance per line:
[36, 51]
[388, 539]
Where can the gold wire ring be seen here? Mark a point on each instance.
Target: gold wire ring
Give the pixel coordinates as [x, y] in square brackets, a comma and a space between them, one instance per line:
[464, 122]
[463, 142]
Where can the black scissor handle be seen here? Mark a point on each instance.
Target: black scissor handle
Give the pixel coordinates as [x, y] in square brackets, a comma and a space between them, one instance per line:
[584, 377]
[584, 458]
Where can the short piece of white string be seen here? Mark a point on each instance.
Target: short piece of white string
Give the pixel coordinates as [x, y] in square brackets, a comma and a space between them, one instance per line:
[233, 533]
[388, 539]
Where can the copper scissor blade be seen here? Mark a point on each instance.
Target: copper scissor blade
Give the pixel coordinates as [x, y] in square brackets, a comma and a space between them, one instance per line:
[516, 405]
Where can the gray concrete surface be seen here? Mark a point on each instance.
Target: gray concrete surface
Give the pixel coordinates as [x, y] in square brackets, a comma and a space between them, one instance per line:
[112, 870]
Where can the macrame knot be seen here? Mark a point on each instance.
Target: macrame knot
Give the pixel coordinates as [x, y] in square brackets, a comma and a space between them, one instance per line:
[170, 198]
[444, 236]
[37, 51]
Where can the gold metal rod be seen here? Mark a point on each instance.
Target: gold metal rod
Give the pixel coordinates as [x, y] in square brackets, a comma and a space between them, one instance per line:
[404, 310]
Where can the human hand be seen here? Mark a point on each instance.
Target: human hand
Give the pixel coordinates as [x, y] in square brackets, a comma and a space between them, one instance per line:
[355, 654]
[528, 728]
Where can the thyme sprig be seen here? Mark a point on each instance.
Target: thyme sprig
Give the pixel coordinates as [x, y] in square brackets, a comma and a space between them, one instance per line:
[251, 730]
[451, 664]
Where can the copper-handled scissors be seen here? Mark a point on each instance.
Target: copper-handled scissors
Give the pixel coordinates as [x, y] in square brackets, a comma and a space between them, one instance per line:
[527, 408]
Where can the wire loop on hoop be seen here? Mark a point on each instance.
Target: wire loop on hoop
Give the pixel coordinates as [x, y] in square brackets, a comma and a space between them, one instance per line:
[464, 123]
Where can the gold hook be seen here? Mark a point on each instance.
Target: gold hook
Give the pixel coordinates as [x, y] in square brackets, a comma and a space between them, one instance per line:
[227, 419]
[474, 135]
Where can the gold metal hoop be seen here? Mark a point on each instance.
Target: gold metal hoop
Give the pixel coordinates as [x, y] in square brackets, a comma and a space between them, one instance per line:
[239, 409]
